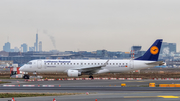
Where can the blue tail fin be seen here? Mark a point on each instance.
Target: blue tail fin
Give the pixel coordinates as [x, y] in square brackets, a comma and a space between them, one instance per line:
[152, 53]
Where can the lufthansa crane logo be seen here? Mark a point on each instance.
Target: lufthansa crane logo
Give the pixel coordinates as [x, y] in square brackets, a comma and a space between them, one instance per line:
[154, 50]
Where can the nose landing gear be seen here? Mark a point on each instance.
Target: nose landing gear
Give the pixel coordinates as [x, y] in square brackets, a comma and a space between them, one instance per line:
[26, 76]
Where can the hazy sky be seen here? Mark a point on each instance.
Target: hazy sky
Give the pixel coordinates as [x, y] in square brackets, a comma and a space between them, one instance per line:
[89, 25]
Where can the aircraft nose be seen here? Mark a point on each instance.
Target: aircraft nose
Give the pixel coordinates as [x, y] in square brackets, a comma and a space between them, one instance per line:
[21, 68]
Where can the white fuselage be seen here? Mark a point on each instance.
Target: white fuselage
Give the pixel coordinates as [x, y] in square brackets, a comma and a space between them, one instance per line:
[112, 66]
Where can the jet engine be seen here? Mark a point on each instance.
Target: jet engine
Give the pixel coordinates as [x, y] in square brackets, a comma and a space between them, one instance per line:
[73, 73]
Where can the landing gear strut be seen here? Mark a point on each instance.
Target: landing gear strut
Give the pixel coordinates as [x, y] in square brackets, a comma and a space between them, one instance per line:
[35, 73]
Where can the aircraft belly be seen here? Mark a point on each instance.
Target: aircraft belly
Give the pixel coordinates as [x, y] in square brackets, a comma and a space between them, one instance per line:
[142, 65]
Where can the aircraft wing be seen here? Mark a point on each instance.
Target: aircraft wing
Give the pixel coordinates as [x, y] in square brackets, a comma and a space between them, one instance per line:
[156, 63]
[91, 69]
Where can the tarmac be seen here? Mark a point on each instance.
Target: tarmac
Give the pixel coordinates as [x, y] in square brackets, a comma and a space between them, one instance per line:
[92, 83]
[110, 96]
[102, 90]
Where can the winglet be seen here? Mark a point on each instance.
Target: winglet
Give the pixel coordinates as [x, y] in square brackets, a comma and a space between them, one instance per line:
[105, 63]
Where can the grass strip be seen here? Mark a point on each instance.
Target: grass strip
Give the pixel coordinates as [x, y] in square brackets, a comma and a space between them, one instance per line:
[1, 82]
[9, 95]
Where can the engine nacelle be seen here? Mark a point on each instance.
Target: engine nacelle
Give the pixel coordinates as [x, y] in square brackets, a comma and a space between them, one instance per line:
[73, 73]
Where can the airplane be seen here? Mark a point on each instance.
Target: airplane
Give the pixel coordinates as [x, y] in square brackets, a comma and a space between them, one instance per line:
[76, 68]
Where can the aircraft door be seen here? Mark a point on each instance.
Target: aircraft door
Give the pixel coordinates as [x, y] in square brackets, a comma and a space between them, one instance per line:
[39, 64]
[131, 64]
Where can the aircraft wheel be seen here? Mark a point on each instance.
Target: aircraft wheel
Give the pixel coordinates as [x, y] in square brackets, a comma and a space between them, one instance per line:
[91, 77]
[26, 77]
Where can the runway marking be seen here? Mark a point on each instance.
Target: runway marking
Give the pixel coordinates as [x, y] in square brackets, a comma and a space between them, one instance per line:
[139, 96]
[170, 96]
[127, 93]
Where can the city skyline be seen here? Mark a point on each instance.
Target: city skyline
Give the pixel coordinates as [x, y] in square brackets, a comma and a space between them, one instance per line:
[24, 47]
[90, 25]
[166, 48]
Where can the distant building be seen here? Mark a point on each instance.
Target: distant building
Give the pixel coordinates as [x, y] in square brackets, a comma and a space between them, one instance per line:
[31, 48]
[40, 46]
[24, 47]
[102, 53]
[7, 47]
[3, 53]
[6, 63]
[136, 48]
[11, 50]
[168, 48]
[136, 51]
[36, 44]
[16, 49]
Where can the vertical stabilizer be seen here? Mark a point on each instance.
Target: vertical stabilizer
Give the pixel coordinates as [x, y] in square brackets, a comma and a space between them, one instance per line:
[152, 53]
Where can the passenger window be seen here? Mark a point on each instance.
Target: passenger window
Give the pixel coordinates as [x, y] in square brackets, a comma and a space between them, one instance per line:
[88, 63]
[84, 63]
[92, 63]
[74, 63]
[113, 63]
[109, 63]
[123, 63]
[116, 63]
[77, 63]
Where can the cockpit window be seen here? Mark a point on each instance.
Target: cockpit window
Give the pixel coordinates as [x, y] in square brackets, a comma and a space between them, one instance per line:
[30, 63]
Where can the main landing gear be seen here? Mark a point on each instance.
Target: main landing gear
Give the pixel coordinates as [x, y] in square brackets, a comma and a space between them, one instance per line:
[91, 77]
